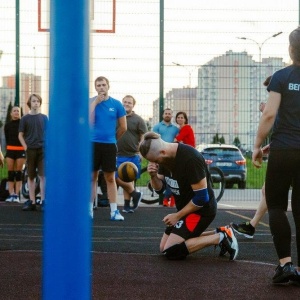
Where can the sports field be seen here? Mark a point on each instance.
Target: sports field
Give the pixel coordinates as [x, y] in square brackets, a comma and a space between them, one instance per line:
[128, 265]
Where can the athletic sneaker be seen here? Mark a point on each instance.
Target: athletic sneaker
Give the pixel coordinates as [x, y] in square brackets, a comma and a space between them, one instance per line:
[245, 229]
[28, 206]
[166, 202]
[172, 201]
[223, 250]
[136, 199]
[127, 209]
[16, 198]
[296, 278]
[10, 198]
[229, 242]
[284, 274]
[116, 216]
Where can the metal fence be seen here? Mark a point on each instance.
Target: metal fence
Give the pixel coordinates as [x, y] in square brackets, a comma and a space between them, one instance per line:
[207, 58]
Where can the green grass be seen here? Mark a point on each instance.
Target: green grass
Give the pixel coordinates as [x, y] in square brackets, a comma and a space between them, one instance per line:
[255, 177]
[3, 172]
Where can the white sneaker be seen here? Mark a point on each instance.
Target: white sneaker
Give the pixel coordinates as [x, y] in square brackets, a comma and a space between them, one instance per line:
[16, 198]
[10, 198]
[116, 216]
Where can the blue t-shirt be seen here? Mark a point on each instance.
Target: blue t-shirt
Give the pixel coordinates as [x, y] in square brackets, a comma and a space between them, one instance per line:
[107, 114]
[167, 132]
[286, 129]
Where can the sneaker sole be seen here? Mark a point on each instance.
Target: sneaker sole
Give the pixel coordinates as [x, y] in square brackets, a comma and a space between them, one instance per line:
[235, 247]
[116, 219]
[127, 211]
[244, 234]
[285, 278]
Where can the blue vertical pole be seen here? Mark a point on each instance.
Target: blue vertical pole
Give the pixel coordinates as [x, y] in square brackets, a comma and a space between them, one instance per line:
[67, 225]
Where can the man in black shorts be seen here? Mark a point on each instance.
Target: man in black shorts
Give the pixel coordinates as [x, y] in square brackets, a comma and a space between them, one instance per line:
[183, 169]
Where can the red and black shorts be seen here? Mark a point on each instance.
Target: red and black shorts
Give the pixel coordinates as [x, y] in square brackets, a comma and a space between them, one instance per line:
[192, 225]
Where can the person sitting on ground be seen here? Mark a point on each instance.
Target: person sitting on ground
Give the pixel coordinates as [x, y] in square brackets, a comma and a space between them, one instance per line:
[184, 170]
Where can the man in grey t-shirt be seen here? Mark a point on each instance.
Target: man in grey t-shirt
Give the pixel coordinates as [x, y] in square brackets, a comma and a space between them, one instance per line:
[127, 151]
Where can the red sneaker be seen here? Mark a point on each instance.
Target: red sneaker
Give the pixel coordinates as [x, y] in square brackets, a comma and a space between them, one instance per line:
[166, 202]
[172, 201]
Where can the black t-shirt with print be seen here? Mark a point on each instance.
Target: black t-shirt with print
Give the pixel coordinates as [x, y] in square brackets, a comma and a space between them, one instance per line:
[286, 129]
[190, 168]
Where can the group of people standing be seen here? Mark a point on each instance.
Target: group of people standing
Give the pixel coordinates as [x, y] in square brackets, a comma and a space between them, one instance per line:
[119, 135]
[169, 132]
[25, 144]
[116, 134]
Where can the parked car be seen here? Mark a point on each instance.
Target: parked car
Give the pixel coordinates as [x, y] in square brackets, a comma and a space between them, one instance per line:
[229, 159]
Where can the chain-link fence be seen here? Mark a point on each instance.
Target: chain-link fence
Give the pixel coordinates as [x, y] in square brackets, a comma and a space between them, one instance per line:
[207, 58]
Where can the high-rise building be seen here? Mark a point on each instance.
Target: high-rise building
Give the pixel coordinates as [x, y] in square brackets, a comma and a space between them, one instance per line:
[230, 88]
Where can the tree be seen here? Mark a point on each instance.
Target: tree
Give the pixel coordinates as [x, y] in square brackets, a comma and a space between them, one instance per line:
[222, 140]
[237, 142]
[218, 140]
[215, 139]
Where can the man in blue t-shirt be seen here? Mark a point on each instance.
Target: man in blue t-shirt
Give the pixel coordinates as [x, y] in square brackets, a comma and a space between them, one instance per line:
[165, 128]
[108, 121]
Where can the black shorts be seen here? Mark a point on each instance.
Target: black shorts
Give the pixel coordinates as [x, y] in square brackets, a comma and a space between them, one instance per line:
[35, 162]
[192, 225]
[15, 154]
[104, 157]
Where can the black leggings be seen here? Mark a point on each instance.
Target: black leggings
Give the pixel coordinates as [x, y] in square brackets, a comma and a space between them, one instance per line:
[283, 171]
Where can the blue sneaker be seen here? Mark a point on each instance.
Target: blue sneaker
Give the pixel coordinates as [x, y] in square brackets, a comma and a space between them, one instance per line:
[28, 206]
[127, 209]
[136, 199]
[116, 216]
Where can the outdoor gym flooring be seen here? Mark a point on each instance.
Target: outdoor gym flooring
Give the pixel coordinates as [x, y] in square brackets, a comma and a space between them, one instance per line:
[127, 263]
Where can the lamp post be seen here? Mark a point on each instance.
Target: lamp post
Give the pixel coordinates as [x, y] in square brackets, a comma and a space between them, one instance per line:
[260, 45]
[188, 69]
[190, 83]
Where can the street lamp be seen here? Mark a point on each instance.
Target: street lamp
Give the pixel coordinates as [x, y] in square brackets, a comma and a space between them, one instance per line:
[260, 45]
[190, 83]
[189, 71]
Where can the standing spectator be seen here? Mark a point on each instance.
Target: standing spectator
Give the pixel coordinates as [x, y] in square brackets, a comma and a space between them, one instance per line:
[184, 170]
[167, 131]
[31, 135]
[128, 151]
[15, 155]
[282, 112]
[186, 133]
[108, 120]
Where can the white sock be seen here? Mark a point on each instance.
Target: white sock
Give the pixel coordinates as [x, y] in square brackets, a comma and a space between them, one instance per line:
[113, 207]
[221, 237]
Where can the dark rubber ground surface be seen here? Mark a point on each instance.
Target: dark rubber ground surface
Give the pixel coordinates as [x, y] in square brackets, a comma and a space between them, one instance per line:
[128, 265]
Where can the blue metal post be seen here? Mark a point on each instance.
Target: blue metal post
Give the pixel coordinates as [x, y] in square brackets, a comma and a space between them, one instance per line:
[67, 225]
